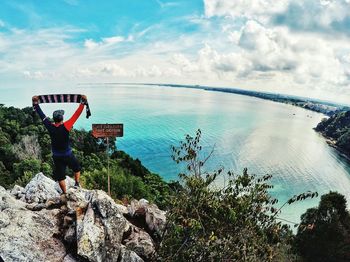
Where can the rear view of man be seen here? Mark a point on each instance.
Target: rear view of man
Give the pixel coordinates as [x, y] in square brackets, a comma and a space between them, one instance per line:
[61, 151]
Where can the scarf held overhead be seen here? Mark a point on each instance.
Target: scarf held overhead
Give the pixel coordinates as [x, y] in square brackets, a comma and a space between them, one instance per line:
[66, 98]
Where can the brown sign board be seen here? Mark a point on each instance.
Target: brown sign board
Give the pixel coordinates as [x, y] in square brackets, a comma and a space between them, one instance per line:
[107, 130]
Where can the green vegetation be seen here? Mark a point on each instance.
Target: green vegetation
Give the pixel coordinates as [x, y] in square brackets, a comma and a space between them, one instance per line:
[25, 150]
[235, 222]
[337, 128]
[324, 231]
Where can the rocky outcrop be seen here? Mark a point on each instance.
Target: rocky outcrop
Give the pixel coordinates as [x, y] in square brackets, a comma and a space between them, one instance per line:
[153, 217]
[27, 235]
[35, 225]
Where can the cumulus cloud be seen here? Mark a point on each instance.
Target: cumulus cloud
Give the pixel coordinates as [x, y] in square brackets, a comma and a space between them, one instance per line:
[327, 16]
[305, 42]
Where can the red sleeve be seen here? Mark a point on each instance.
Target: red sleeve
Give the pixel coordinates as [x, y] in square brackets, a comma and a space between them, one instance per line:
[69, 123]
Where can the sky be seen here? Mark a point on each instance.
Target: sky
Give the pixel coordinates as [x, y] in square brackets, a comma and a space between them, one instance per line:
[298, 47]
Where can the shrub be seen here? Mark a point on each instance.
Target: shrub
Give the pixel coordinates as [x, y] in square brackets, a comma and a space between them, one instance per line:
[324, 231]
[236, 222]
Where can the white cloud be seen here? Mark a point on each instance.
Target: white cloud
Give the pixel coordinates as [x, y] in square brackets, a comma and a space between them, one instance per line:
[251, 9]
[304, 43]
[90, 44]
[241, 46]
[106, 42]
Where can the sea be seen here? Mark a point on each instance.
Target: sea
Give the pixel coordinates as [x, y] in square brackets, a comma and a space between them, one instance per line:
[243, 132]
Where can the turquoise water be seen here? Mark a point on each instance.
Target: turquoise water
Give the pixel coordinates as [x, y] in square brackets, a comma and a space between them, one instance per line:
[264, 136]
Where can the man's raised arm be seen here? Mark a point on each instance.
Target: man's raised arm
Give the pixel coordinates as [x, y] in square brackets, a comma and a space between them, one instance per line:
[69, 123]
[40, 112]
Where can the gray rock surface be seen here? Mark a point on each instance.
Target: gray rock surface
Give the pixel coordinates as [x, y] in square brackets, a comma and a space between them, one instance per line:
[29, 236]
[154, 217]
[140, 242]
[40, 189]
[17, 191]
[100, 228]
[127, 255]
[33, 230]
[7, 201]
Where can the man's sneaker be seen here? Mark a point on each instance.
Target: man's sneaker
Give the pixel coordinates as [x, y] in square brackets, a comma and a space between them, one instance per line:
[76, 185]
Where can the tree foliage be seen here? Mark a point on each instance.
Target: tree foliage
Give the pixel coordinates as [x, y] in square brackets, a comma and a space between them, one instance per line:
[337, 127]
[324, 232]
[236, 222]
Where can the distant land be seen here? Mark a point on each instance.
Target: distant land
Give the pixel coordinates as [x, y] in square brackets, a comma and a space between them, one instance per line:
[324, 107]
[320, 106]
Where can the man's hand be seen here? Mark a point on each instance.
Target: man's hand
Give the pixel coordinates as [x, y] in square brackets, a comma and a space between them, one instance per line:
[35, 100]
[83, 99]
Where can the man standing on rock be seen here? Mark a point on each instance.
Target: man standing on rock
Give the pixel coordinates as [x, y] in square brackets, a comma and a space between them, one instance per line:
[61, 151]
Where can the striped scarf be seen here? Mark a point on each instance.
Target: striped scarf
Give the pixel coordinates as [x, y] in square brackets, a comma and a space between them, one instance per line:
[67, 98]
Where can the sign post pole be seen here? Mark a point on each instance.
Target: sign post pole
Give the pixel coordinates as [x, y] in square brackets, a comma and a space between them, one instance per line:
[107, 131]
[109, 178]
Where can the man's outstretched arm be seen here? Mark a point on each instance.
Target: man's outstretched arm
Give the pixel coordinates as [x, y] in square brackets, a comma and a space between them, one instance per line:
[69, 123]
[40, 112]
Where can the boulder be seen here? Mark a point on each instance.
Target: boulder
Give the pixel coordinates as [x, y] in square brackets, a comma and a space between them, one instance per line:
[30, 236]
[127, 255]
[100, 228]
[40, 189]
[90, 224]
[155, 218]
[17, 191]
[140, 242]
[7, 201]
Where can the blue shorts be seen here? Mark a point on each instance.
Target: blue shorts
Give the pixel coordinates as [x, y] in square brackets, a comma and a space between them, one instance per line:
[61, 162]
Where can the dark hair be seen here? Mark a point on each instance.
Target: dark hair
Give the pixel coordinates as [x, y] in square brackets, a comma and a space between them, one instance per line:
[58, 119]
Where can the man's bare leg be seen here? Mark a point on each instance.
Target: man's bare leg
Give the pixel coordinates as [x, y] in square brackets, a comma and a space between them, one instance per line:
[62, 184]
[77, 176]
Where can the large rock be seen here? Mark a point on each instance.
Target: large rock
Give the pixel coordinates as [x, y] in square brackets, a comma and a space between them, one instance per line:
[140, 242]
[90, 226]
[127, 255]
[100, 228]
[17, 191]
[39, 189]
[155, 218]
[7, 201]
[29, 236]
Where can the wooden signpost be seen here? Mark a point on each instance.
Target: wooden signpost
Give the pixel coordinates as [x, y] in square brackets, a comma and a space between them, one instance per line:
[107, 131]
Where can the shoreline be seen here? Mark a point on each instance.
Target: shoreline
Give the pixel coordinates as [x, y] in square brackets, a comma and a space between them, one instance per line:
[332, 143]
[319, 106]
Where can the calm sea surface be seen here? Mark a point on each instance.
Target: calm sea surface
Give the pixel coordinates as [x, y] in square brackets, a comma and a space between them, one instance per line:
[264, 136]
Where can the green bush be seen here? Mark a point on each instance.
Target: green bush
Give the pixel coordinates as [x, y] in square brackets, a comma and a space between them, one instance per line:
[29, 166]
[324, 232]
[123, 185]
[236, 222]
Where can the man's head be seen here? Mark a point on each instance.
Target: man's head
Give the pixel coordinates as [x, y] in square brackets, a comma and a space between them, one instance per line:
[58, 116]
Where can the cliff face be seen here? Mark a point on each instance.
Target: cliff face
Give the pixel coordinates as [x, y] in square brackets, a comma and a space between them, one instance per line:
[337, 128]
[37, 225]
